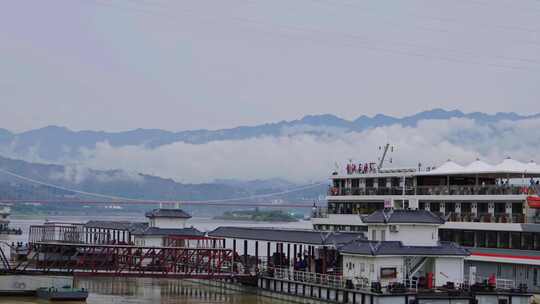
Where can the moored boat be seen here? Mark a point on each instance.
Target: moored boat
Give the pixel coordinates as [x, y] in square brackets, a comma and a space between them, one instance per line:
[62, 294]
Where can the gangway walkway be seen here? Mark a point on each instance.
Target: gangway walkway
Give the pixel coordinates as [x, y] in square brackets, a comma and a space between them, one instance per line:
[125, 260]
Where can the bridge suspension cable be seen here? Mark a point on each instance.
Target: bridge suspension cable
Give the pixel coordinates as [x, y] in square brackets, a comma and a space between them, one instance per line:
[121, 198]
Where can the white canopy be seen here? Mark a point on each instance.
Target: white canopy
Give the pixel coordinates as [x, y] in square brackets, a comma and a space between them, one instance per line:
[450, 166]
[478, 166]
[507, 166]
[511, 165]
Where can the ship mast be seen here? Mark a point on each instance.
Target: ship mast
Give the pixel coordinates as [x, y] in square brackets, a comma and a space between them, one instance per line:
[381, 160]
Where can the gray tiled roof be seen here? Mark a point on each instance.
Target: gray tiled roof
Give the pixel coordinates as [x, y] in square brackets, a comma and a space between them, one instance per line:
[399, 216]
[172, 213]
[397, 248]
[118, 225]
[286, 235]
[170, 232]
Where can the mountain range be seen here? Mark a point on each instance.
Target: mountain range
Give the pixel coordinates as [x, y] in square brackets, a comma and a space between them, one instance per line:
[55, 144]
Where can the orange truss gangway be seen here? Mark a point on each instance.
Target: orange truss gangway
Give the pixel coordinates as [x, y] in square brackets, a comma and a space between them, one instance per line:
[128, 260]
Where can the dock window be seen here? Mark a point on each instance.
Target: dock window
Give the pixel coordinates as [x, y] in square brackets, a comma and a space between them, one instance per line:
[388, 273]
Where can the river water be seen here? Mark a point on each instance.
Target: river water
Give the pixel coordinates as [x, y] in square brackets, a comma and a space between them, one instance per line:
[139, 291]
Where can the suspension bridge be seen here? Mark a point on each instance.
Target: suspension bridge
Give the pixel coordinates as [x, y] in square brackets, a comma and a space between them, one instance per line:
[93, 198]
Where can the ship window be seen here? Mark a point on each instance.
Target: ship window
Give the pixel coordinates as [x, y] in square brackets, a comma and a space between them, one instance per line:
[528, 241]
[445, 235]
[537, 241]
[504, 239]
[458, 237]
[466, 208]
[517, 208]
[482, 208]
[374, 235]
[500, 208]
[369, 182]
[383, 235]
[481, 239]
[535, 277]
[491, 239]
[468, 238]
[516, 240]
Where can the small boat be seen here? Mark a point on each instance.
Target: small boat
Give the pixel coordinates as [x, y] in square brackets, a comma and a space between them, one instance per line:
[65, 293]
[534, 202]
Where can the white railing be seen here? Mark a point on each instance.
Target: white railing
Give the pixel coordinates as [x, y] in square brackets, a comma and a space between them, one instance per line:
[336, 281]
[308, 277]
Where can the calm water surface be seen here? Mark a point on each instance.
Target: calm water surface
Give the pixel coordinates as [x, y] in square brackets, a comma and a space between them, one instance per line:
[164, 291]
[139, 291]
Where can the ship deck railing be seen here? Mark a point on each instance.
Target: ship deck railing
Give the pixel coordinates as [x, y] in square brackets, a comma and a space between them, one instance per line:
[436, 190]
[501, 284]
[483, 217]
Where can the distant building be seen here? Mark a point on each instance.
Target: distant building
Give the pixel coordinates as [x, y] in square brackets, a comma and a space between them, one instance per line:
[164, 223]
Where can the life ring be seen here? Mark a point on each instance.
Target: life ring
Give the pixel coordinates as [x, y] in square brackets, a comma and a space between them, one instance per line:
[20, 285]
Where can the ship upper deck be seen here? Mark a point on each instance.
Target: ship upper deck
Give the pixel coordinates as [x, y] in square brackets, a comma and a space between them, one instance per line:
[508, 168]
[510, 178]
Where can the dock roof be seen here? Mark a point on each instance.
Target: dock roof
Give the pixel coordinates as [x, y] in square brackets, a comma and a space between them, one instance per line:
[401, 216]
[117, 225]
[170, 213]
[286, 235]
[372, 248]
[155, 231]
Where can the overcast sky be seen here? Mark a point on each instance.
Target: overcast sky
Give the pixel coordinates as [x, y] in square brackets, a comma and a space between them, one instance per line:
[119, 64]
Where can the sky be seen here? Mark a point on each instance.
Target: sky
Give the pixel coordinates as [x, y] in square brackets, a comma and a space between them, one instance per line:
[178, 65]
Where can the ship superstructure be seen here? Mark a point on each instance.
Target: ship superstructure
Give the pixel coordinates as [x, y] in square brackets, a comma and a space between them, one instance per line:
[493, 210]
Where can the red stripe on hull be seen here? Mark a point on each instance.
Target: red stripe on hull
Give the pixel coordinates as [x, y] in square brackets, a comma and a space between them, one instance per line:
[507, 256]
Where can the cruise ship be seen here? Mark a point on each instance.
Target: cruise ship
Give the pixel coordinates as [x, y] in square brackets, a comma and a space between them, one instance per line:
[492, 210]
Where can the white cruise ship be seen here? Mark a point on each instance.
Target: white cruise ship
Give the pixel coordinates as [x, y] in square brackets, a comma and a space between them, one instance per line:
[493, 210]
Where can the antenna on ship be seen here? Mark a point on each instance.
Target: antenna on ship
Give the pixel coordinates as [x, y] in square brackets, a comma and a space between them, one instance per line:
[385, 152]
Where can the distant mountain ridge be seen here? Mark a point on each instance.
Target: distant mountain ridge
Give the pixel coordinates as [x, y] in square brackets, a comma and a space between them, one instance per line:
[55, 143]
